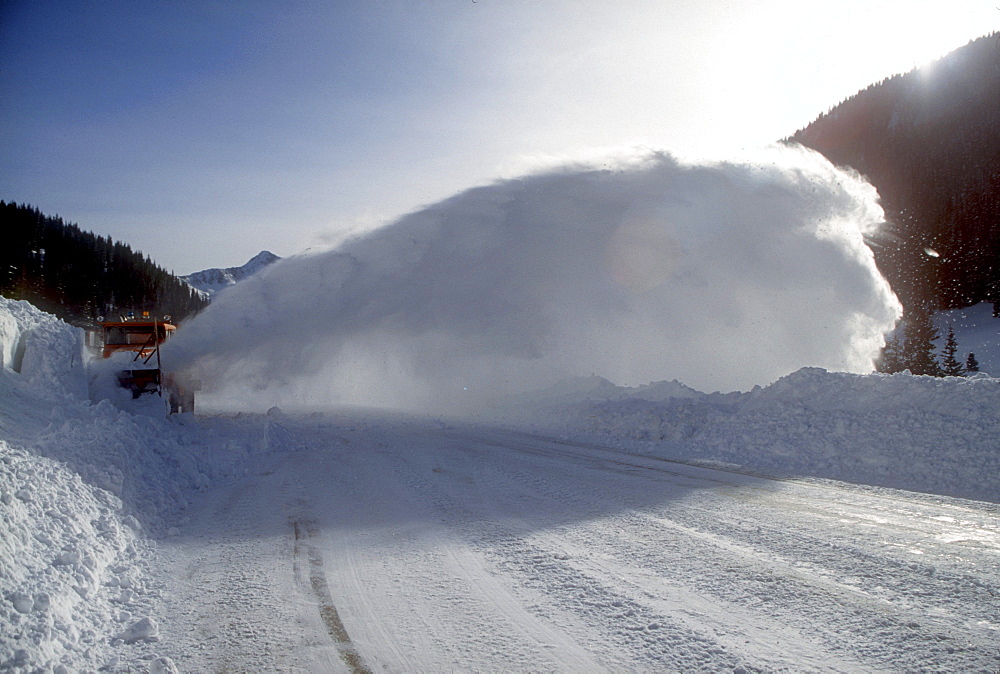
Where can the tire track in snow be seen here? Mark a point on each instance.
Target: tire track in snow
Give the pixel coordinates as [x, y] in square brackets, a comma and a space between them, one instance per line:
[673, 543]
[230, 601]
[611, 622]
[418, 595]
[765, 553]
[468, 550]
[304, 530]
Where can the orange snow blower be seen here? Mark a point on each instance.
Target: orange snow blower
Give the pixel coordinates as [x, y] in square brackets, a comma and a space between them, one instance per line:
[143, 337]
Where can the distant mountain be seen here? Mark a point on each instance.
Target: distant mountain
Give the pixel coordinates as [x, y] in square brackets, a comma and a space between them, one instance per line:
[929, 141]
[208, 282]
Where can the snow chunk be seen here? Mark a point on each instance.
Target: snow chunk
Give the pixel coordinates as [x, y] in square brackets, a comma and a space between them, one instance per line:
[163, 666]
[145, 629]
[58, 552]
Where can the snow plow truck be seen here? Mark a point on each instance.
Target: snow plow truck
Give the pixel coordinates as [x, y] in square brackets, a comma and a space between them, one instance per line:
[142, 337]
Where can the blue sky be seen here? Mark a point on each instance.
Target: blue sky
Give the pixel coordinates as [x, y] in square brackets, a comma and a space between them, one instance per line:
[204, 131]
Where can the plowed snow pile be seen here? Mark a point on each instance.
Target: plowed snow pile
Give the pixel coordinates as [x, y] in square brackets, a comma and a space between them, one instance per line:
[80, 485]
[930, 434]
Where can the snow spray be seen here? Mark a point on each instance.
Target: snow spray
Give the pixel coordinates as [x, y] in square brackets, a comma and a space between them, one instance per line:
[722, 275]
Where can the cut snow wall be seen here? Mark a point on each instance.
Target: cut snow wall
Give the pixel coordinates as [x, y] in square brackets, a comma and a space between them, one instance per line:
[42, 349]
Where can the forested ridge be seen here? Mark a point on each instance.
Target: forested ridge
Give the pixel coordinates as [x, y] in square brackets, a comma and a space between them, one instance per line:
[79, 276]
[929, 141]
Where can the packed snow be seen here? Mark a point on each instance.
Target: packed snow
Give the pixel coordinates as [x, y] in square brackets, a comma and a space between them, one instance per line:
[587, 526]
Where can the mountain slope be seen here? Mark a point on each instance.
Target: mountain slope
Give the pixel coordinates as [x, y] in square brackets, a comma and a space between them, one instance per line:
[929, 141]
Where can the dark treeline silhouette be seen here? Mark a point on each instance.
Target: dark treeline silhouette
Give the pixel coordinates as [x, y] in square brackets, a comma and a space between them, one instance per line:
[929, 141]
[79, 276]
[911, 347]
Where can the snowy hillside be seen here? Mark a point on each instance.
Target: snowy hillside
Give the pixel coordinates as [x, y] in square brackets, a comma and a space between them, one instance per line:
[133, 541]
[211, 281]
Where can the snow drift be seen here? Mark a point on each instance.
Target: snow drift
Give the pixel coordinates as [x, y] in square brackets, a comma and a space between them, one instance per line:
[722, 275]
[69, 550]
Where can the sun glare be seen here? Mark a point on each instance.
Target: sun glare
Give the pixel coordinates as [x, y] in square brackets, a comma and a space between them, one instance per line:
[924, 32]
[925, 44]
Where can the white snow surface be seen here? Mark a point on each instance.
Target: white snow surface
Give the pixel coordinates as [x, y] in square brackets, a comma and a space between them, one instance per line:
[826, 522]
[938, 435]
[82, 486]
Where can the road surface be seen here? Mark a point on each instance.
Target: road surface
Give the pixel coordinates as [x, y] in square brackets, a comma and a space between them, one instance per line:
[414, 546]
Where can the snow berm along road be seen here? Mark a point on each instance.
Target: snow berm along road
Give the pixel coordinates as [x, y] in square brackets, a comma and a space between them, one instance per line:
[635, 529]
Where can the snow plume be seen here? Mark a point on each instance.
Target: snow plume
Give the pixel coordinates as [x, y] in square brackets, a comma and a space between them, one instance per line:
[722, 275]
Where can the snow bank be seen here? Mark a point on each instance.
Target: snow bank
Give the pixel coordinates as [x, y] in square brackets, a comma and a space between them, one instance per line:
[72, 556]
[44, 351]
[72, 566]
[937, 435]
[81, 487]
[722, 275]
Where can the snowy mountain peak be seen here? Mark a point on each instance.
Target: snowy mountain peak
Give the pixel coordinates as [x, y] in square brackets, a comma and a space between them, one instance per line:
[211, 281]
[259, 261]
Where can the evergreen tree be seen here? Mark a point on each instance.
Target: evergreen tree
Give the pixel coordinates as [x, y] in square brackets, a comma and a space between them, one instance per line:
[918, 351]
[949, 366]
[971, 364]
[890, 361]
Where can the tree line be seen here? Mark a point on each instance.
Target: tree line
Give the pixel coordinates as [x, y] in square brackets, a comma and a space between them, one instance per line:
[79, 276]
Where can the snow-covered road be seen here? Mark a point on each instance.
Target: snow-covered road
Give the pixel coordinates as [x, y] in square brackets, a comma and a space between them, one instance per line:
[414, 546]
